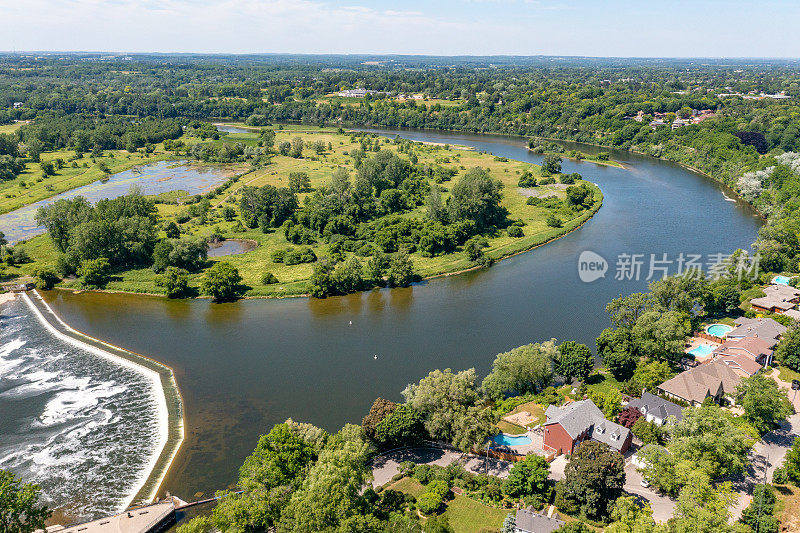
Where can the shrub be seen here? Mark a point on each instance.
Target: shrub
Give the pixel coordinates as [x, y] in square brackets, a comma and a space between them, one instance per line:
[515, 231]
[429, 503]
[94, 273]
[45, 278]
[221, 282]
[268, 278]
[553, 221]
[174, 280]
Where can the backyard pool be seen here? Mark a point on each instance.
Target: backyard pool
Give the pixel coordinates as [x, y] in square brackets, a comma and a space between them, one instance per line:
[718, 330]
[509, 440]
[781, 280]
[702, 350]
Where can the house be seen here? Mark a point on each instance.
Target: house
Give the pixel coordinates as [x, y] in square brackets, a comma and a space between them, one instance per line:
[763, 328]
[639, 116]
[656, 409]
[678, 122]
[794, 314]
[755, 349]
[714, 379]
[529, 522]
[17, 105]
[356, 93]
[566, 427]
[656, 123]
[778, 299]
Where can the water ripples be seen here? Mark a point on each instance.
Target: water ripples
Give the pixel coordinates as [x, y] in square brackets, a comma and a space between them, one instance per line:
[83, 428]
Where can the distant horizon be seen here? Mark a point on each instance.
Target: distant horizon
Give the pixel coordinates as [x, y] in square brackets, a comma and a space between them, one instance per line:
[386, 54]
[446, 28]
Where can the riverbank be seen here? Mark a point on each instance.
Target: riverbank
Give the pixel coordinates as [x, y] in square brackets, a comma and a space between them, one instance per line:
[169, 399]
[538, 223]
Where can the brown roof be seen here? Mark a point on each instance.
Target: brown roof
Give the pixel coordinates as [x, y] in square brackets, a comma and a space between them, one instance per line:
[754, 347]
[772, 302]
[702, 381]
[785, 292]
[741, 364]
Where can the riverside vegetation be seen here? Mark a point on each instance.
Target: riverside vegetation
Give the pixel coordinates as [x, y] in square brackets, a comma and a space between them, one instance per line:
[331, 212]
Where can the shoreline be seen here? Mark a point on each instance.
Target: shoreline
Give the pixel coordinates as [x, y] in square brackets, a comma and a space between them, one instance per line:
[169, 401]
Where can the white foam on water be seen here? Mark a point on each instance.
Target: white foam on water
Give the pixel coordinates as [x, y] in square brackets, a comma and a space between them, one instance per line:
[87, 429]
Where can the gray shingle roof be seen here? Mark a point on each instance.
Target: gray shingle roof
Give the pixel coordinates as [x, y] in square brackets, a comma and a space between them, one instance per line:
[764, 328]
[658, 407]
[530, 522]
[582, 416]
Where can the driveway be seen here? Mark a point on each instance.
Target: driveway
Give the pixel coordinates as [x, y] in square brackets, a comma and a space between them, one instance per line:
[662, 506]
[387, 466]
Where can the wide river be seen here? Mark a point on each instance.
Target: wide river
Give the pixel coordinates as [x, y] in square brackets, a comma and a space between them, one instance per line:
[245, 366]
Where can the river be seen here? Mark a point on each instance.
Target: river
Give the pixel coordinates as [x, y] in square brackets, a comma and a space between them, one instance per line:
[245, 366]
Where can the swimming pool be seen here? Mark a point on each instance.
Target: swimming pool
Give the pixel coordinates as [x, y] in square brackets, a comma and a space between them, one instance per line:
[509, 440]
[718, 330]
[702, 350]
[781, 280]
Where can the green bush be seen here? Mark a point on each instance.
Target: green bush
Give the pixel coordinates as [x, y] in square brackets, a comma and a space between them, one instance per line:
[268, 278]
[45, 278]
[553, 221]
[429, 503]
[94, 273]
[515, 231]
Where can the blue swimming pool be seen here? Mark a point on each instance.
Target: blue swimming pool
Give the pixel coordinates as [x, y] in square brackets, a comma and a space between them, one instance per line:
[509, 440]
[702, 350]
[781, 280]
[718, 330]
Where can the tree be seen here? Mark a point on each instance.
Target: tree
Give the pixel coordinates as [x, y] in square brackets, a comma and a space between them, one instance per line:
[573, 361]
[551, 164]
[299, 182]
[381, 408]
[450, 406]
[174, 280]
[297, 147]
[702, 507]
[629, 517]
[788, 350]
[94, 273]
[280, 458]
[759, 514]
[647, 432]
[403, 426]
[792, 462]
[401, 270]
[594, 478]
[435, 208]
[765, 404]
[330, 497]
[526, 369]
[661, 335]
[612, 403]
[477, 196]
[628, 417]
[626, 310]
[45, 278]
[509, 523]
[221, 282]
[651, 374]
[19, 509]
[528, 477]
[617, 352]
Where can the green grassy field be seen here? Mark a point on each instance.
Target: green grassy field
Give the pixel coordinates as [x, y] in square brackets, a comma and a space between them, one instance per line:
[30, 186]
[465, 515]
[319, 167]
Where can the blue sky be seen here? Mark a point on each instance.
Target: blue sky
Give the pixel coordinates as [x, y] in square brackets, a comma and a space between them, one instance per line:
[671, 28]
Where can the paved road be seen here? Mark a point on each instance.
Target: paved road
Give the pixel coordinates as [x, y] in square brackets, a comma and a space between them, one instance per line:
[385, 467]
[768, 453]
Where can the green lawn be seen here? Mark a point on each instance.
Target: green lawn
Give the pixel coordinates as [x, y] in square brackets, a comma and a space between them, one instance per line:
[293, 280]
[469, 516]
[601, 381]
[511, 429]
[464, 514]
[787, 374]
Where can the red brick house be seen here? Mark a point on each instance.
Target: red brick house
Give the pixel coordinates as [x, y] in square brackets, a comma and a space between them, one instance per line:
[566, 427]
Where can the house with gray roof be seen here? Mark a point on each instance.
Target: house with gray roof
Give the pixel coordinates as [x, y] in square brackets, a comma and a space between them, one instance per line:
[530, 522]
[656, 409]
[566, 427]
[763, 328]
